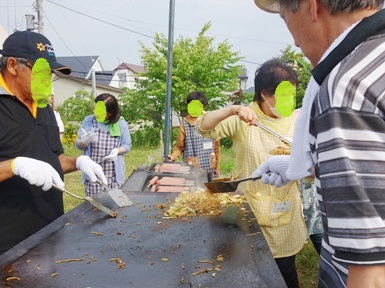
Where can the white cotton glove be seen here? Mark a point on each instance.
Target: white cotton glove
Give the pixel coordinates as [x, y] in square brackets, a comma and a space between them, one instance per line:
[91, 169]
[37, 172]
[273, 170]
[112, 156]
[88, 137]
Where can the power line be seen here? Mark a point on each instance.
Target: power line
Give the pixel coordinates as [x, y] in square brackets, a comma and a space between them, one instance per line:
[65, 44]
[251, 62]
[97, 19]
[115, 25]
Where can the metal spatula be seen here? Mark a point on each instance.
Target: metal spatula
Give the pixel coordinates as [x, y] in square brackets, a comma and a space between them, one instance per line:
[92, 201]
[118, 196]
[227, 186]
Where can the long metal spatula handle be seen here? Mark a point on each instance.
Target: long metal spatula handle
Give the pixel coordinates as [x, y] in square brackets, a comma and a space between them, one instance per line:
[256, 178]
[101, 183]
[245, 179]
[273, 133]
[68, 192]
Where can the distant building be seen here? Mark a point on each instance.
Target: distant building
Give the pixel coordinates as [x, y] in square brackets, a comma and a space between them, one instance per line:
[3, 35]
[125, 75]
[242, 79]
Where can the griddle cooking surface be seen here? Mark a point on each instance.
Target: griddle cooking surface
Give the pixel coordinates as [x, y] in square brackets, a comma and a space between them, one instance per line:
[153, 250]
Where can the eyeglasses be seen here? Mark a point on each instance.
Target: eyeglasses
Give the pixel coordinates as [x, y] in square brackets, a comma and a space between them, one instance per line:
[24, 62]
[28, 64]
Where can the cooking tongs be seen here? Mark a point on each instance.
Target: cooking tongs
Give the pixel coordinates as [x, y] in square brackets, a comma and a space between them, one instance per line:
[92, 201]
[227, 186]
[287, 141]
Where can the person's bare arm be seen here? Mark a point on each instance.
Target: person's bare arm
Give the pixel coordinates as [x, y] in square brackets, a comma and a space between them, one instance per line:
[180, 144]
[5, 170]
[213, 118]
[366, 276]
[68, 164]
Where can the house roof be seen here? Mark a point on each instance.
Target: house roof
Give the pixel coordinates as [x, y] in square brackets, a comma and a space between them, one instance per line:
[80, 65]
[134, 68]
[104, 77]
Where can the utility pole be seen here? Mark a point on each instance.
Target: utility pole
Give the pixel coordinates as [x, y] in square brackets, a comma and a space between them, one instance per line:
[93, 83]
[167, 129]
[39, 10]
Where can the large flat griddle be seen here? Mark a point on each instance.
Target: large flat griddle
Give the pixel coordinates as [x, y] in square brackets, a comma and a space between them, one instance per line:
[143, 240]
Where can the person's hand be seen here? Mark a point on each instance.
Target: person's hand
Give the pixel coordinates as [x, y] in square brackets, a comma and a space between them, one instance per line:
[88, 137]
[91, 169]
[246, 114]
[112, 156]
[273, 170]
[169, 157]
[36, 172]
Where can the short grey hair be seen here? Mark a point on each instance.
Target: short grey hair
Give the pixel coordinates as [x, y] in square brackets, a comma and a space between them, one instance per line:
[337, 6]
[3, 64]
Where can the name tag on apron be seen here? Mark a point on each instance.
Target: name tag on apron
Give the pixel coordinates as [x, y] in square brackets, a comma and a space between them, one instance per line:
[279, 207]
[207, 145]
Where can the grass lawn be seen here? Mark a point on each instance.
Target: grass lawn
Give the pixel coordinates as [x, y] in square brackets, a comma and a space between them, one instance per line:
[307, 259]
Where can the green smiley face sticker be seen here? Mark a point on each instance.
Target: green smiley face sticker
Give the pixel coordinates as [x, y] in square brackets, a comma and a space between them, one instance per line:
[100, 111]
[195, 108]
[285, 98]
[41, 83]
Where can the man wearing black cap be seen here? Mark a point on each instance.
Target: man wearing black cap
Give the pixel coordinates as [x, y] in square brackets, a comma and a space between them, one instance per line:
[31, 154]
[340, 132]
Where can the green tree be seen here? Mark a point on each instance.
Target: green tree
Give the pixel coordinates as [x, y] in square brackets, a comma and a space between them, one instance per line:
[198, 65]
[77, 107]
[303, 68]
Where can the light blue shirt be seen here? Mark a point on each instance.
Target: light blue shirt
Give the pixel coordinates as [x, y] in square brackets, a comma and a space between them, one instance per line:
[123, 141]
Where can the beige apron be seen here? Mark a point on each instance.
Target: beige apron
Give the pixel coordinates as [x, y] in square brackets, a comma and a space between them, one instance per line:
[278, 210]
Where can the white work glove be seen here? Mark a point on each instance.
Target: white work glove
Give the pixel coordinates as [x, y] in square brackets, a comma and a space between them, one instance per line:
[273, 170]
[37, 172]
[91, 169]
[112, 156]
[88, 137]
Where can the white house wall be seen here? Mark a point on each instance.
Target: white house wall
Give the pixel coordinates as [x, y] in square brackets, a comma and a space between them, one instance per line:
[66, 87]
[98, 66]
[115, 81]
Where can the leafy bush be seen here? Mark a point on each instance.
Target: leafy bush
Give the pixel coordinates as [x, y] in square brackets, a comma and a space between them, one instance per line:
[303, 68]
[139, 109]
[226, 143]
[76, 108]
[147, 137]
[70, 132]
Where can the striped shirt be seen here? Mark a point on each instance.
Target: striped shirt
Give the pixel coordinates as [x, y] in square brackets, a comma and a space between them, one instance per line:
[347, 132]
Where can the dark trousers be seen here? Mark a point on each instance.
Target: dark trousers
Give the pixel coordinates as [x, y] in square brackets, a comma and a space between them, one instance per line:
[316, 239]
[287, 267]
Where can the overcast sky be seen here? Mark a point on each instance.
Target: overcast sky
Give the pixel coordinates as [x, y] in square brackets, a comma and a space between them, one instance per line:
[74, 29]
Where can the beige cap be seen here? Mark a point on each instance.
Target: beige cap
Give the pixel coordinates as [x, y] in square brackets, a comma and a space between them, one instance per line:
[271, 6]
